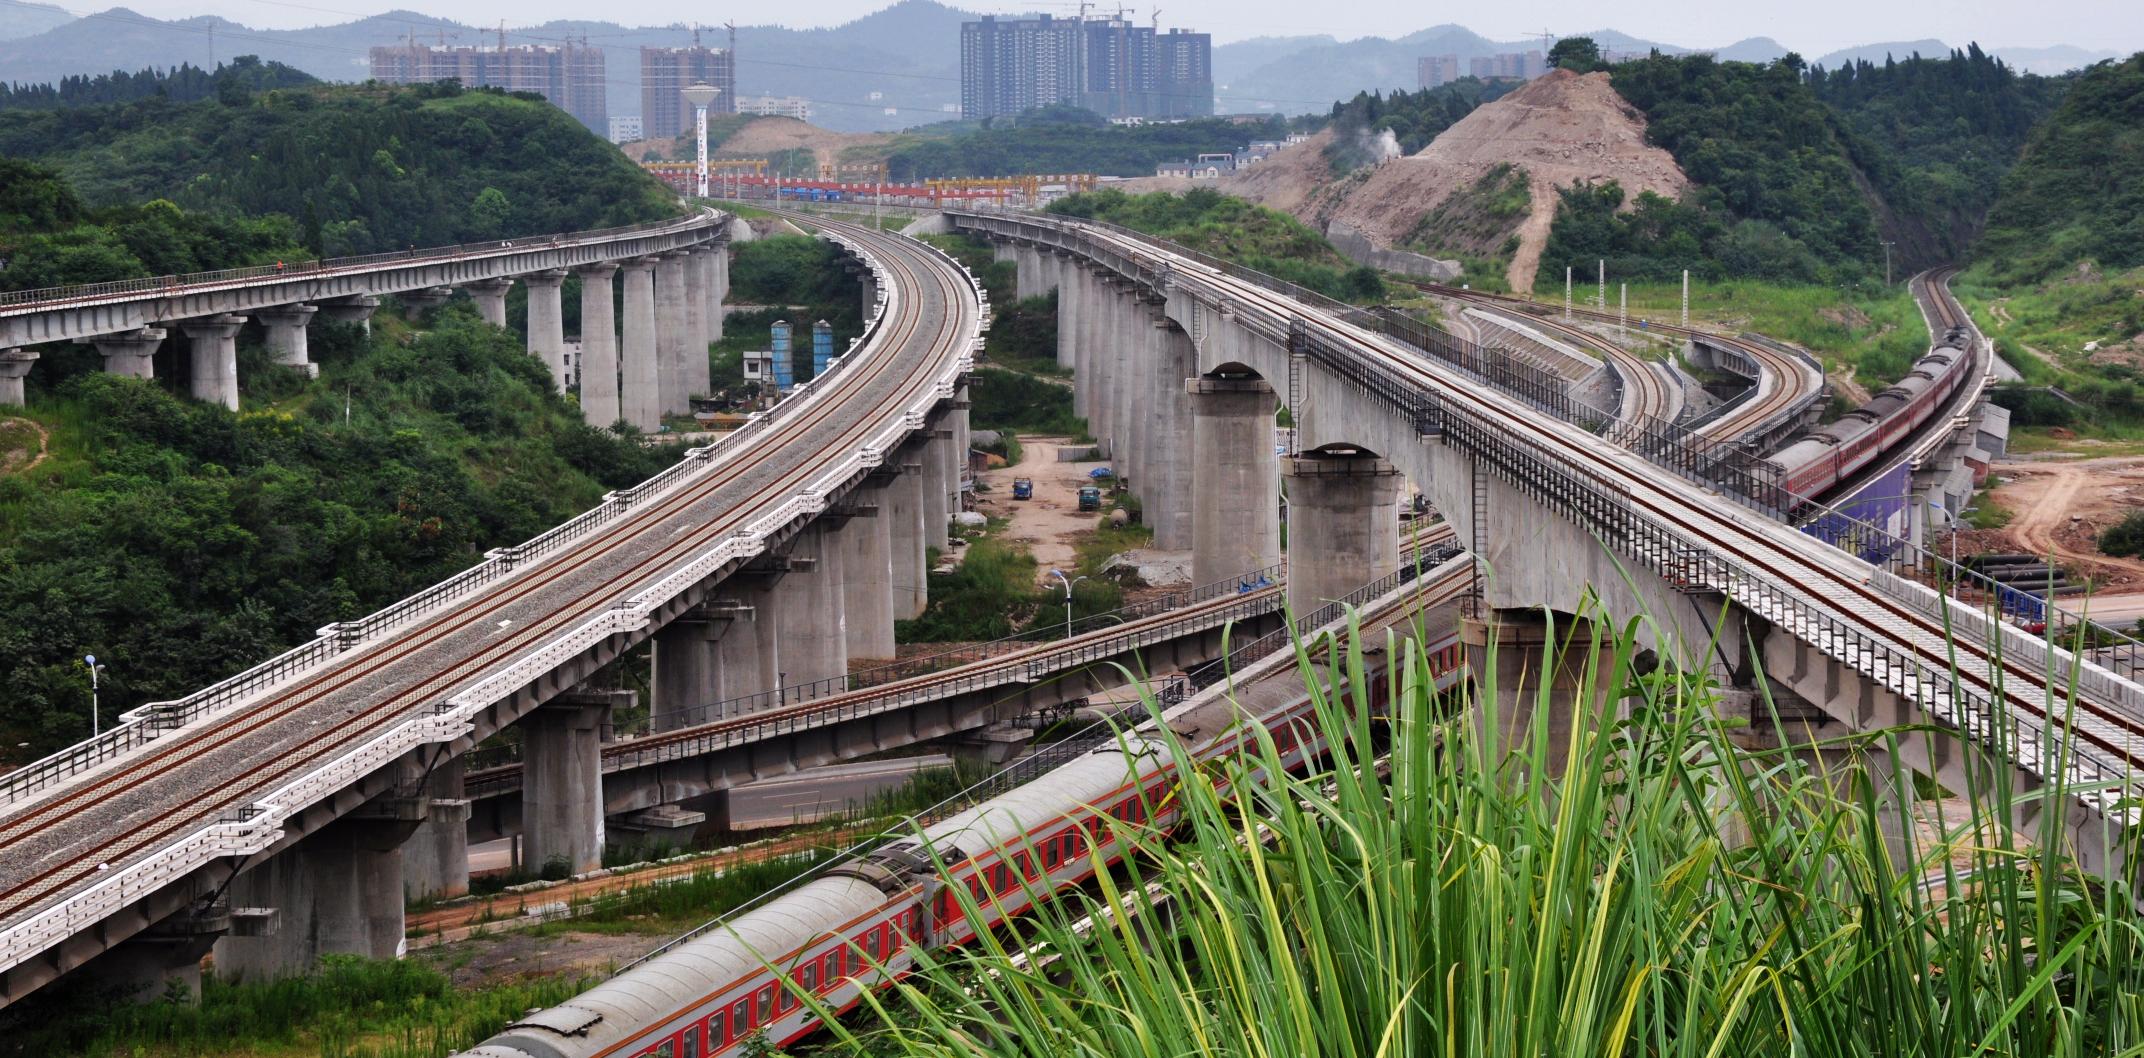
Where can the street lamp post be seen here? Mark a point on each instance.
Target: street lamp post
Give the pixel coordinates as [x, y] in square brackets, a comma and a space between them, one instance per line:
[700, 95]
[1060, 575]
[95, 725]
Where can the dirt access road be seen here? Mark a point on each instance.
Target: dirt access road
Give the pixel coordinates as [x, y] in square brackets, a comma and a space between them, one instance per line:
[2060, 508]
[1051, 524]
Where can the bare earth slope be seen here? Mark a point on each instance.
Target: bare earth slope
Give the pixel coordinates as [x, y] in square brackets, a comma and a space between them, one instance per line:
[1561, 129]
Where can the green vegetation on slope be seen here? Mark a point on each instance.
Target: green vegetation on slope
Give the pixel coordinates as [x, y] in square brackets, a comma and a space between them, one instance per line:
[1435, 887]
[181, 543]
[1876, 332]
[359, 169]
[1068, 139]
[185, 83]
[2082, 332]
[1935, 136]
[1776, 197]
[1019, 387]
[2078, 193]
[48, 237]
[1234, 230]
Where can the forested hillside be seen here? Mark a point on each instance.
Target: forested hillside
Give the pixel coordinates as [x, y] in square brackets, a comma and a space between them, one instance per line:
[1935, 137]
[2078, 193]
[50, 237]
[357, 169]
[184, 83]
[1234, 230]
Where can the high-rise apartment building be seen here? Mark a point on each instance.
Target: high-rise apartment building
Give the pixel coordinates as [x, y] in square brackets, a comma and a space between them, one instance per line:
[1108, 65]
[665, 73]
[1509, 66]
[1434, 70]
[570, 76]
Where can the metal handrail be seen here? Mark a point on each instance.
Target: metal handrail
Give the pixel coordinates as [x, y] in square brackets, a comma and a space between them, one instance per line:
[190, 282]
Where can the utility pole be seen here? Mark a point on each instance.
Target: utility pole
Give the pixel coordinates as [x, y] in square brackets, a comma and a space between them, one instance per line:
[1887, 262]
[96, 725]
[1622, 309]
[1686, 299]
[1566, 291]
[1600, 287]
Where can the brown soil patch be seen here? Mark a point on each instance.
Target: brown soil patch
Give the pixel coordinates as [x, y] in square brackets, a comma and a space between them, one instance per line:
[23, 444]
[2062, 507]
[1051, 525]
[768, 135]
[1846, 316]
[1562, 129]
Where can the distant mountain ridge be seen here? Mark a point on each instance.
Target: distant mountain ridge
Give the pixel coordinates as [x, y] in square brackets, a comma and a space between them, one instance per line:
[904, 58]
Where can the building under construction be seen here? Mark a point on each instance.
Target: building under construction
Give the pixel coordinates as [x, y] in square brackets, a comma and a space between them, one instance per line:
[665, 73]
[569, 75]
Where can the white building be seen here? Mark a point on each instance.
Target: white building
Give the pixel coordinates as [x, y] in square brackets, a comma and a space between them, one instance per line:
[626, 129]
[775, 107]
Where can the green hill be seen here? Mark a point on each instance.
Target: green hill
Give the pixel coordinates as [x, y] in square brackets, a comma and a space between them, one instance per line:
[357, 169]
[1233, 230]
[2078, 193]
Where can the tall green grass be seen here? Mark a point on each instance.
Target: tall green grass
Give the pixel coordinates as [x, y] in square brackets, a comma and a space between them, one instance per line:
[1669, 894]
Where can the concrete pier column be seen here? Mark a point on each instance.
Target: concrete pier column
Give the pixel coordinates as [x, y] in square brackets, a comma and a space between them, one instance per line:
[131, 354]
[337, 892]
[490, 298]
[1067, 272]
[867, 575]
[1166, 499]
[415, 303]
[701, 289]
[1343, 525]
[1517, 648]
[904, 513]
[599, 345]
[1137, 338]
[718, 290]
[639, 400]
[937, 513]
[149, 965]
[1237, 489]
[14, 367]
[1100, 358]
[214, 353]
[547, 322]
[286, 327]
[672, 332]
[562, 783]
[815, 646]
[869, 281]
[1072, 311]
[357, 309]
[435, 859]
[686, 674]
[748, 655]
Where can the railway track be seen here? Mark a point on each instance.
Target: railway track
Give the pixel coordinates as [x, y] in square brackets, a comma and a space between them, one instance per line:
[1645, 393]
[1802, 586]
[108, 819]
[1784, 380]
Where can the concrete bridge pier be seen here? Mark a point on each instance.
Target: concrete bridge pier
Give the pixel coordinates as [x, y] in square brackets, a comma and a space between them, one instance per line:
[639, 398]
[547, 322]
[1343, 524]
[718, 289]
[1105, 418]
[415, 303]
[599, 346]
[14, 367]
[1064, 272]
[435, 859]
[814, 635]
[867, 572]
[937, 515]
[700, 307]
[285, 337]
[685, 674]
[131, 353]
[1073, 294]
[672, 332]
[562, 783]
[748, 654]
[338, 891]
[963, 439]
[1527, 653]
[1130, 332]
[213, 351]
[147, 966]
[1237, 488]
[356, 309]
[868, 280]
[905, 514]
[1166, 496]
[490, 298]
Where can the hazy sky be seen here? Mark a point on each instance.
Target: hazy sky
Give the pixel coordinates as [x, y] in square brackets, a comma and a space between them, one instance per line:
[1810, 26]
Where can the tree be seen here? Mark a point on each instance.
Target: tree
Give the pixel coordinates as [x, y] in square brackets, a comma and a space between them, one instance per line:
[1577, 54]
[491, 212]
[2124, 538]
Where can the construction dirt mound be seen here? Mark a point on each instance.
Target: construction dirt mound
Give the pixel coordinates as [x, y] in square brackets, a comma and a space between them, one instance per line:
[1559, 130]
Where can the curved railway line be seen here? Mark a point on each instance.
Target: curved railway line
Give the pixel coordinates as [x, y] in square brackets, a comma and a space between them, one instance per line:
[1753, 557]
[131, 806]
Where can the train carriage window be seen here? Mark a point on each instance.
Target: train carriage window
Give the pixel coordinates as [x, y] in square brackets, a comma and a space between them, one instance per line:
[718, 1030]
[871, 943]
[667, 1050]
[1049, 854]
[836, 965]
[691, 1048]
[740, 1017]
[766, 1006]
[808, 976]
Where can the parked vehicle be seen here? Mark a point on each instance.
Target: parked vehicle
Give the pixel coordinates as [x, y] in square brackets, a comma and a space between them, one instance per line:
[1023, 488]
[1090, 498]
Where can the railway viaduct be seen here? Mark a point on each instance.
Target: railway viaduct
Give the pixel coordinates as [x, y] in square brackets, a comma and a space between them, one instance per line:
[1180, 361]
